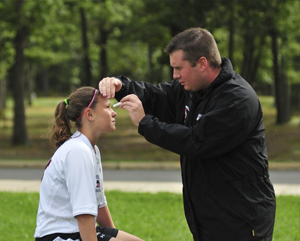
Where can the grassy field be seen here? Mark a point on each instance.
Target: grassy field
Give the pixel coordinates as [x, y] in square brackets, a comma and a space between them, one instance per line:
[125, 143]
[150, 216]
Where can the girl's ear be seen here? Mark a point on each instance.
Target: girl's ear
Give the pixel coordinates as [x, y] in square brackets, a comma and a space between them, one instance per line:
[89, 114]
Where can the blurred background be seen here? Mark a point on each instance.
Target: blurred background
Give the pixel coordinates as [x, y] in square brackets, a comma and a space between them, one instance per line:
[48, 48]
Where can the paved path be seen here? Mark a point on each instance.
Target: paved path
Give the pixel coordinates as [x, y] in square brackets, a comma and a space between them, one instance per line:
[141, 175]
[9, 184]
[127, 186]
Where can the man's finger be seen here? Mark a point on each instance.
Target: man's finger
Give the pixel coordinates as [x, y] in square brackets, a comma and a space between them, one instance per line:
[107, 88]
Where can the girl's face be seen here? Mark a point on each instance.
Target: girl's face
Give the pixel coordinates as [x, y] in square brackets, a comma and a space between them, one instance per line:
[104, 115]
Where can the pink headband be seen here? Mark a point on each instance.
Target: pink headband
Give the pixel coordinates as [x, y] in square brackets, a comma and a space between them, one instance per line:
[88, 105]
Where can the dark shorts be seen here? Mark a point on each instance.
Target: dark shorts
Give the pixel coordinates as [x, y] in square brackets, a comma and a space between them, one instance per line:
[103, 234]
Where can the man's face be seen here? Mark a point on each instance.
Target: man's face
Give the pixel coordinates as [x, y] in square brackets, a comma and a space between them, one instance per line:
[188, 76]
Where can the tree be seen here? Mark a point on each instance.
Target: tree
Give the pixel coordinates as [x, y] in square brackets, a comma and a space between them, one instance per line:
[253, 33]
[54, 47]
[69, 43]
[262, 27]
[19, 131]
[282, 93]
[87, 80]
[6, 54]
[148, 29]
[22, 18]
[290, 51]
[104, 30]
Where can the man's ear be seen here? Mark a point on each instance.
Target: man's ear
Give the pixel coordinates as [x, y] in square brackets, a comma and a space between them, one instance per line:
[202, 63]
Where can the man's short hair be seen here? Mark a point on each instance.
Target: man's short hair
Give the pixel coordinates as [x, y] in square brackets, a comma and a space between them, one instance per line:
[196, 43]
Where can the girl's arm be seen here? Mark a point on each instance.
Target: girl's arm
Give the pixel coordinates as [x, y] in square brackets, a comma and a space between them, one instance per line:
[104, 218]
[86, 224]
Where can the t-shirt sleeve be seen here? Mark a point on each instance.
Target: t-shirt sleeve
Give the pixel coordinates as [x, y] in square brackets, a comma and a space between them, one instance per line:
[101, 195]
[80, 181]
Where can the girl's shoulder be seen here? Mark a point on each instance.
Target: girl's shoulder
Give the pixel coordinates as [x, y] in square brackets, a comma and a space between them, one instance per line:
[73, 147]
[73, 143]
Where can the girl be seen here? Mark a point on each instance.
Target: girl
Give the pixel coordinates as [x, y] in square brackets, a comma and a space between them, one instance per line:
[72, 197]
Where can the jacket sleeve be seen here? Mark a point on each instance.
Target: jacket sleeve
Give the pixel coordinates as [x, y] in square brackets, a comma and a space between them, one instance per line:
[157, 99]
[224, 126]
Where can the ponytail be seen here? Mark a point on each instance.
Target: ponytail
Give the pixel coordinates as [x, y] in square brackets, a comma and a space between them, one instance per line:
[61, 130]
[71, 109]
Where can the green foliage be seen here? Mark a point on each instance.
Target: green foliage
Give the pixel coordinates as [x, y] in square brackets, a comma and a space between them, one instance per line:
[149, 216]
[55, 33]
[6, 46]
[136, 32]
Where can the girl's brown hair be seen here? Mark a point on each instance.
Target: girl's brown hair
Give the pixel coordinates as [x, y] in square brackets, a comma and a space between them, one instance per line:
[70, 110]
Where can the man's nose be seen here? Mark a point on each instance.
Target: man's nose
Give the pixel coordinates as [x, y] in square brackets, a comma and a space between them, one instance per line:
[175, 74]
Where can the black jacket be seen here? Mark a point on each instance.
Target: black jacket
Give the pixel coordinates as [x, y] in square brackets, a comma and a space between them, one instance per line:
[220, 136]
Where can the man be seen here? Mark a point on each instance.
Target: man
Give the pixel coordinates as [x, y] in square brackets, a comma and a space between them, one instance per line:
[211, 117]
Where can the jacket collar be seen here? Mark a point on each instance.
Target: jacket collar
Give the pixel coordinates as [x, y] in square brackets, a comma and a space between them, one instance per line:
[225, 74]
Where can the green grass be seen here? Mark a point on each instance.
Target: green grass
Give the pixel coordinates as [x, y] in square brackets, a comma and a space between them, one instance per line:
[149, 216]
[17, 215]
[287, 223]
[125, 143]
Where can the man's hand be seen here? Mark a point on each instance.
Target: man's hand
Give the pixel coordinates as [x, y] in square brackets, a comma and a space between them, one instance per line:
[109, 86]
[134, 106]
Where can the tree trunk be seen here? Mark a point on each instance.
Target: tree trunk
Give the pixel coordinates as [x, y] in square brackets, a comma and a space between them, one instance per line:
[45, 80]
[285, 116]
[280, 83]
[151, 74]
[30, 84]
[2, 98]
[103, 52]
[19, 130]
[257, 58]
[2, 93]
[103, 36]
[248, 57]
[231, 28]
[87, 81]
[252, 54]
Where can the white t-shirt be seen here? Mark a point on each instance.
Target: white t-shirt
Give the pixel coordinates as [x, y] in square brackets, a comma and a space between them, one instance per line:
[72, 185]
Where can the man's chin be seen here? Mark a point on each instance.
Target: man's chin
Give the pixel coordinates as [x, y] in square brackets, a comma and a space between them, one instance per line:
[186, 88]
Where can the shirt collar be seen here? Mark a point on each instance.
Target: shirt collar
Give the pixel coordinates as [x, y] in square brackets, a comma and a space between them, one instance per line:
[82, 137]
